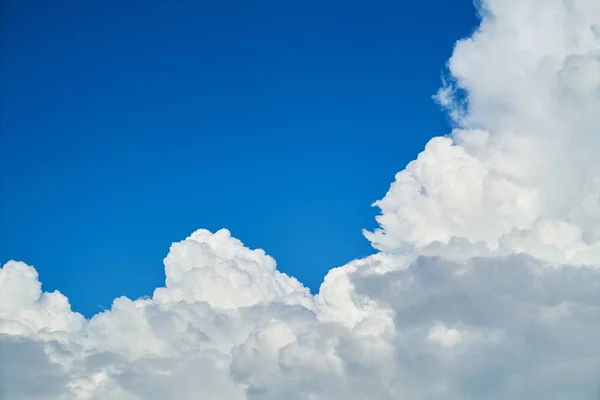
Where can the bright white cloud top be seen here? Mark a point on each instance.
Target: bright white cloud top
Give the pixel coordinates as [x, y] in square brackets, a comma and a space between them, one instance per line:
[487, 284]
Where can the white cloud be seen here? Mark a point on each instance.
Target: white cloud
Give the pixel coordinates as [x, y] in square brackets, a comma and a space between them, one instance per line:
[25, 310]
[524, 157]
[487, 285]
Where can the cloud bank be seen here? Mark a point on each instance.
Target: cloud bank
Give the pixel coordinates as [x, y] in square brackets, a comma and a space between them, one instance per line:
[486, 284]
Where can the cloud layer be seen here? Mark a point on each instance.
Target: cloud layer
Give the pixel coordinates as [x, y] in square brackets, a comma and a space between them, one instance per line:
[486, 286]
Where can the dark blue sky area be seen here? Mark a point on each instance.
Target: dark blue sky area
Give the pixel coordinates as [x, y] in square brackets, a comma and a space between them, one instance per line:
[125, 126]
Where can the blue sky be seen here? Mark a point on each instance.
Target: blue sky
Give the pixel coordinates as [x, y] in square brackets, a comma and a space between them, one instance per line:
[125, 126]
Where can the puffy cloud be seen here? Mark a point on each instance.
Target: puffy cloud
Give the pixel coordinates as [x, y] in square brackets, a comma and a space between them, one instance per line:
[522, 159]
[219, 270]
[25, 310]
[487, 283]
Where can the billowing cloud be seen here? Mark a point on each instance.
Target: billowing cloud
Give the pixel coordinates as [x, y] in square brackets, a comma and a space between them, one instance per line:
[486, 284]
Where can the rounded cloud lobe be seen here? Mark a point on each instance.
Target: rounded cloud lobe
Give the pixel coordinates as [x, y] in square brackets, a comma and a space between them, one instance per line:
[486, 284]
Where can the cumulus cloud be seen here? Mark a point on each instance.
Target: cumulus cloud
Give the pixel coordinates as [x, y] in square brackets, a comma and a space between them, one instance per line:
[486, 284]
